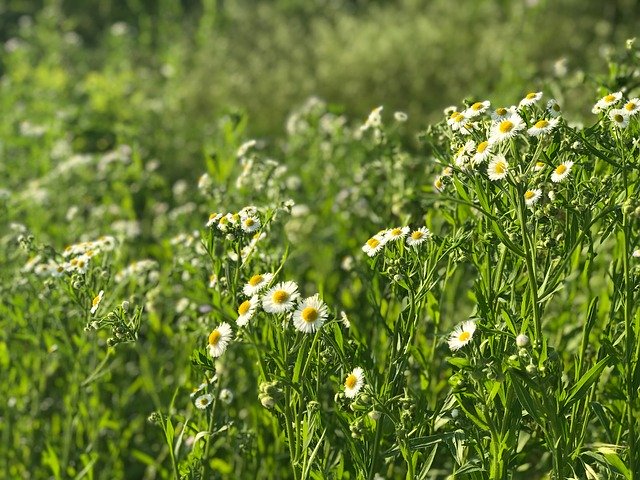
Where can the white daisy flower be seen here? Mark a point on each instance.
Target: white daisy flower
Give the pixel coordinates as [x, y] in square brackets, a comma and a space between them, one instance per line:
[397, 233]
[532, 196]
[95, 303]
[530, 99]
[561, 171]
[438, 184]
[506, 129]
[538, 166]
[542, 127]
[483, 150]
[203, 401]
[257, 283]
[310, 314]
[374, 245]
[219, 339]
[418, 236]
[477, 108]
[502, 113]
[354, 383]
[247, 310]
[213, 219]
[280, 298]
[632, 106]
[250, 223]
[400, 117]
[462, 335]
[198, 389]
[498, 168]
[553, 108]
[457, 121]
[619, 117]
[606, 102]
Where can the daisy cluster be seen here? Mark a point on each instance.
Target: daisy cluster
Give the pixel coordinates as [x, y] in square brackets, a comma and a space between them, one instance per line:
[619, 110]
[414, 238]
[482, 140]
[245, 221]
[77, 258]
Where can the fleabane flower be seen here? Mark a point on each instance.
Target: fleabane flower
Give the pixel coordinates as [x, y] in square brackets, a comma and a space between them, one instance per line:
[397, 233]
[532, 196]
[458, 121]
[374, 245]
[354, 383]
[438, 185]
[257, 283]
[246, 310]
[538, 166]
[219, 339]
[619, 117]
[561, 171]
[213, 219]
[95, 303]
[498, 168]
[553, 108]
[310, 314]
[250, 224]
[483, 150]
[632, 106]
[203, 401]
[418, 236]
[506, 129]
[530, 99]
[462, 335]
[280, 298]
[502, 113]
[606, 102]
[477, 108]
[542, 127]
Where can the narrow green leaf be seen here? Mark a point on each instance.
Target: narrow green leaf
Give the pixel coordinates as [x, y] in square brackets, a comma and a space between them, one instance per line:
[580, 389]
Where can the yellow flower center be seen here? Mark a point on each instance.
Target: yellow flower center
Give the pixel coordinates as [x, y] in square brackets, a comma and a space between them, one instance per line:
[438, 184]
[539, 164]
[454, 115]
[630, 106]
[501, 111]
[279, 296]
[212, 216]
[249, 222]
[477, 106]
[351, 381]
[529, 194]
[373, 243]
[458, 117]
[464, 336]
[618, 118]
[531, 96]
[609, 98]
[235, 217]
[561, 169]
[310, 314]
[482, 146]
[395, 232]
[541, 124]
[255, 280]
[506, 126]
[96, 300]
[555, 107]
[417, 235]
[214, 338]
[244, 307]
[500, 168]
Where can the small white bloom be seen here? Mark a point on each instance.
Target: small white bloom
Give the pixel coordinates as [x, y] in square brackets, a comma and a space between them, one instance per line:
[506, 129]
[462, 335]
[396, 233]
[606, 102]
[530, 99]
[247, 310]
[280, 298]
[354, 383]
[257, 283]
[532, 196]
[553, 108]
[619, 117]
[561, 171]
[483, 151]
[418, 236]
[310, 314]
[374, 245]
[203, 401]
[477, 108]
[219, 339]
[542, 127]
[498, 168]
[632, 106]
[400, 117]
[95, 303]
[250, 224]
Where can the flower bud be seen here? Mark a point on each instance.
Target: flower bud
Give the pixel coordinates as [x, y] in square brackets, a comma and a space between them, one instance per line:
[522, 340]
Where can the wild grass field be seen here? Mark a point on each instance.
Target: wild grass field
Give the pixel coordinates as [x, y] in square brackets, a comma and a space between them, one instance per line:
[319, 240]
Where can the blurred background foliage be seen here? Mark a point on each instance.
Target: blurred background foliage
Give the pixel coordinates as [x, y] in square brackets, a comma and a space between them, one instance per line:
[161, 72]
